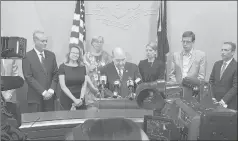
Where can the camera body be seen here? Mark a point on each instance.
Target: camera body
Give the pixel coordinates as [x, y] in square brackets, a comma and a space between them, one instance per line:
[13, 47]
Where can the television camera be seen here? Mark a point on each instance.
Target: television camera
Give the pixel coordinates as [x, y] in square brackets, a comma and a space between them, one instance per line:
[11, 48]
[177, 111]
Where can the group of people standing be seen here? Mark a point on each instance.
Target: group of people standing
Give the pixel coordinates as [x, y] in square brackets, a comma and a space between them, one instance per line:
[77, 75]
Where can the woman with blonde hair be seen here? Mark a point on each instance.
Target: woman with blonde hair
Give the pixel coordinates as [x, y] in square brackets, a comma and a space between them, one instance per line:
[151, 69]
[95, 59]
[73, 80]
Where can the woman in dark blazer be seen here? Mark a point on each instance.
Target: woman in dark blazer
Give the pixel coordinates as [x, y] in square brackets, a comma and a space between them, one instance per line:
[151, 69]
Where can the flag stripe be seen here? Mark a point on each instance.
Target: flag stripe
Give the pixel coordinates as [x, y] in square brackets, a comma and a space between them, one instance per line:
[76, 16]
[78, 29]
[75, 28]
[75, 34]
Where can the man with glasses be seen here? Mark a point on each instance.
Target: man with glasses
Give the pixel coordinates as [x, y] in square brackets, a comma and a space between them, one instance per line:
[41, 74]
[120, 70]
[189, 62]
[224, 77]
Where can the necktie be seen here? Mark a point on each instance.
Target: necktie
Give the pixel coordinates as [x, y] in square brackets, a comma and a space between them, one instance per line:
[43, 61]
[120, 73]
[223, 69]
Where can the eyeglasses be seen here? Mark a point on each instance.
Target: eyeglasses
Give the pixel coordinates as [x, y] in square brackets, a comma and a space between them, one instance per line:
[43, 41]
[225, 49]
[75, 53]
[120, 60]
[187, 42]
[99, 42]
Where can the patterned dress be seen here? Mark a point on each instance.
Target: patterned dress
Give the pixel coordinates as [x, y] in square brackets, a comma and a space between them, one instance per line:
[99, 62]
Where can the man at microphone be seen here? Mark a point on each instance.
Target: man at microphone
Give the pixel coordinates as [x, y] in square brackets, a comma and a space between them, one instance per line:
[118, 73]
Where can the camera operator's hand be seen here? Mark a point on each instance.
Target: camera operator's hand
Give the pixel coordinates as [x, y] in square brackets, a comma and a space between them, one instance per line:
[7, 95]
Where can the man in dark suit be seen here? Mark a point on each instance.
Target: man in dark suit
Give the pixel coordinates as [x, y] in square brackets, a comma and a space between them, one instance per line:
[120, 70]
[40, 72]
[223, 78]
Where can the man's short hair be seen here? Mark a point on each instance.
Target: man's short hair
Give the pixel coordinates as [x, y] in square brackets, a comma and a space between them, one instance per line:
[233, 45]
[107, 129]
[189, 34]
[36, 32]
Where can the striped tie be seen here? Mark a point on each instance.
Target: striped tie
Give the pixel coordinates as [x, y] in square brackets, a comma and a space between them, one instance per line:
[120, 73]
[43, 61]
[223, 69]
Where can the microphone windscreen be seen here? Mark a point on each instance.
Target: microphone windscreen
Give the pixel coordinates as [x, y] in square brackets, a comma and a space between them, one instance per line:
[11, 82]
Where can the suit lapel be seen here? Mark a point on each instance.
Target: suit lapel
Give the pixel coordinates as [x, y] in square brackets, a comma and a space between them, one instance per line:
[227, 70]
[181, 61]
[125, 71]
[191, 60]
[219, 69]
[37, 60]
[47, 62]
[114, 70]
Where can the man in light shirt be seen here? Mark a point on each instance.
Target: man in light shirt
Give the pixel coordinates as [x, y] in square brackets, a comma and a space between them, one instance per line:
[41, 74]
[188, 62]
[223, 78]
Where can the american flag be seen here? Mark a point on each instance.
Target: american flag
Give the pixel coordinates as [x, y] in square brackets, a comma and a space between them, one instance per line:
[163, 45]
[162, 40]
[78, 30]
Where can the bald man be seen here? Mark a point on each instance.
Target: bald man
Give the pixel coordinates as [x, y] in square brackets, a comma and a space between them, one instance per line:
[120, 70]
[41, 74]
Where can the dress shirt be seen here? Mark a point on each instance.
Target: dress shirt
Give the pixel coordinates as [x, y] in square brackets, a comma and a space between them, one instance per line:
[39, 54]
[121, 70]
[227, 63]
[186, 59]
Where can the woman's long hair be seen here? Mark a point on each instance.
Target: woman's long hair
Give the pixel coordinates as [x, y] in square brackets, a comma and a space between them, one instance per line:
[80, 60]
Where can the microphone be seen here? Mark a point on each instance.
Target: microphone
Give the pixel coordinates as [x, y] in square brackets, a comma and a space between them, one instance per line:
[116, 86]
[102, 84]
[130, 85]
[11, 82]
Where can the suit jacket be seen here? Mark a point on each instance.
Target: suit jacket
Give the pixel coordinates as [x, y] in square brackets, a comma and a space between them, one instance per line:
[197, 66]
[151, 73]
[226, 87]
[130, 70]
[10, 68]
[37, 79]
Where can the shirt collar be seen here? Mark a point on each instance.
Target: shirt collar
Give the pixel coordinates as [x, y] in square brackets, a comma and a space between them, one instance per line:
[228, 62]
[38, 53]
[190, 53]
